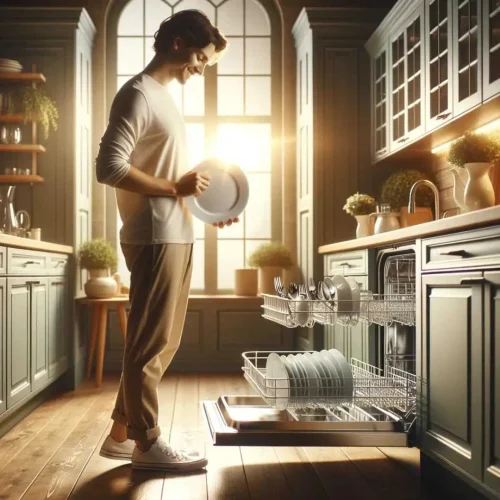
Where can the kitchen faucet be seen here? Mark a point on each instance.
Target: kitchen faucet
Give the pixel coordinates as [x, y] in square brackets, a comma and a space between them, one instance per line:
[413, 192]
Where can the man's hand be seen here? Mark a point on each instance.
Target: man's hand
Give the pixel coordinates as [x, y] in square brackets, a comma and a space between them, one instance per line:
[192, 184]
[226, 223]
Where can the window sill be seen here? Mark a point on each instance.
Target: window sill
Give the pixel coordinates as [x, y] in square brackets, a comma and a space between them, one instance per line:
[241, 298]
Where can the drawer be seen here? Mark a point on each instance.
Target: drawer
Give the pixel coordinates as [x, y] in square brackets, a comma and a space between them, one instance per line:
[348, 263]
[21, 261]
[477, 248]
[3, 260]
[58, 264]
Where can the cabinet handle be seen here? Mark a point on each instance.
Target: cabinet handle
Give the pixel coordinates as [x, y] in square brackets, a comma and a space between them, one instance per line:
[403, 139]
[442, 116]
[34, 282]
[28, 262]
[479, 280]
[345, 264]
[456, 253]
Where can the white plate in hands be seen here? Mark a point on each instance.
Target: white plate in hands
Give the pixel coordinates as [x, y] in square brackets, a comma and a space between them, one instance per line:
[226, 196]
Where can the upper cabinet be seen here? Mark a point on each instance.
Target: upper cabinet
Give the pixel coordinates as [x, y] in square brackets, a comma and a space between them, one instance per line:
[431, 61]
[491, 48]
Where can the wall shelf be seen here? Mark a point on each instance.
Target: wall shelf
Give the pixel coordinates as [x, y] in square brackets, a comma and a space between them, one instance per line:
[21, 179]
[16, 118]
[22, 77]
[21, 148]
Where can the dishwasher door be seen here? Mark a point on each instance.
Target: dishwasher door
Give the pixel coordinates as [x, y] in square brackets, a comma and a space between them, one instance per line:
[380, 411]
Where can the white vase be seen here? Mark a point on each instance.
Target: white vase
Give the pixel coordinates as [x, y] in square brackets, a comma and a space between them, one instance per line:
[364, 227]
[100, 284]
[479, 191]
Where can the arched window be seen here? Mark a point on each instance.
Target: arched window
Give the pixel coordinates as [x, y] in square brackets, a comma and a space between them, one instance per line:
[231, 112]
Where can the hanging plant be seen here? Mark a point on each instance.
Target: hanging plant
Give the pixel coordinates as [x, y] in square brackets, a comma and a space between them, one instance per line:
[37, 105]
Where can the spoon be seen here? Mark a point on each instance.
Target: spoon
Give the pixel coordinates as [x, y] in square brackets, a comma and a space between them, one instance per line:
[293, 290]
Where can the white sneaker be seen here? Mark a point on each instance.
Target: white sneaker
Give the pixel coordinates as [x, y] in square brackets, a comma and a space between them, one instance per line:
[161, 456]
[117, 451]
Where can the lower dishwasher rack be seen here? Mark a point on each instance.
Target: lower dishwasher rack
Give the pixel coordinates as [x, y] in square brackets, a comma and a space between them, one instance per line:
[381, 411]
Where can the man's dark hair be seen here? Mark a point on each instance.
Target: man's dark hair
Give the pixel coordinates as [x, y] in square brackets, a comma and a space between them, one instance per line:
[193, 27]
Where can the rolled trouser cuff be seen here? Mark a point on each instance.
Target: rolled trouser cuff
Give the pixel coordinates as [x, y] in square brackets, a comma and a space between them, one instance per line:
[143, 434]
[118, 417]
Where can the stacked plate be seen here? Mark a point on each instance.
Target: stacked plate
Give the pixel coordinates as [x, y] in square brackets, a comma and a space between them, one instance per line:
[10, 66]
[308, 376]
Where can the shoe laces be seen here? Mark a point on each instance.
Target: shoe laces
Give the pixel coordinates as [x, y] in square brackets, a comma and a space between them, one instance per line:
[172, 452]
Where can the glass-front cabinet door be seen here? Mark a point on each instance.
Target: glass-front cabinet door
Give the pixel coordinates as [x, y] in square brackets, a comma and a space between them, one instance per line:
[407, 85]
[438, 59]
[491, 49]
[379, 99]
[467, 67]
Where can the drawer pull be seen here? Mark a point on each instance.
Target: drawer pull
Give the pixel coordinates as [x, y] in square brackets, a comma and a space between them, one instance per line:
[28, 262]
[342, 264]
[479, 280]
[456, 253]
[34, 282]
[442, 116]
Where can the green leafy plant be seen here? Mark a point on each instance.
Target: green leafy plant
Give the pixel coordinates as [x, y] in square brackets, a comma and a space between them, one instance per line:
[396, 189]
[474, 148]
[37, 105]
[98, 254]
[360, 204]
[272, 254]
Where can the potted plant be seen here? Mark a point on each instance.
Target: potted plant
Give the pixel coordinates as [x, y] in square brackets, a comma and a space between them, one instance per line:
[476, 153]
[270, 259]
[37, 105]
[99, 258]
[360, 206]
[396, 192]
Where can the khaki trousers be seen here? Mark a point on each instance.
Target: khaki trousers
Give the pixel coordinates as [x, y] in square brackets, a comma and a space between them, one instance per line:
[159, 291]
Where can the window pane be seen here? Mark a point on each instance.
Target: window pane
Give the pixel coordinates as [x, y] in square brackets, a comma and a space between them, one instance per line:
[175, 89]
[131, 19]
[232, 232]
[230, 17]
[130, 55]
[230, 257]
[248, 146]
[230, 95]
[194, 96]
[258, 96]
[250, 246]
[156, 12]
[198, 277]
[231, 63]
[203, 5]
[258, 210]
[121, 80]
[258, 56]
[257, 22]
[195, 138]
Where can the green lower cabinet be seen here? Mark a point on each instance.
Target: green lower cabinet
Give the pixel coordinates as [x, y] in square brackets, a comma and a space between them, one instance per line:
[39, 333]
[18, 340]
[3, 345]
[451, 415]
[59, 334]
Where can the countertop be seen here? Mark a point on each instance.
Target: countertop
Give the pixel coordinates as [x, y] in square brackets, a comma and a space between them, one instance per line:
[43, 246]
[457, 223]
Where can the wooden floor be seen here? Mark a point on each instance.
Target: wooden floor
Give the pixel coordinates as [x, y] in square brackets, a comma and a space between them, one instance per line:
[54, 454]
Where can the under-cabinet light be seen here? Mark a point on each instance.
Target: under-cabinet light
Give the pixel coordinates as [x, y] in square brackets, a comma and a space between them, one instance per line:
[488, 128]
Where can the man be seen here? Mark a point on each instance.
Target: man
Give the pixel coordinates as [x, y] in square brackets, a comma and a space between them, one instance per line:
[143, 155]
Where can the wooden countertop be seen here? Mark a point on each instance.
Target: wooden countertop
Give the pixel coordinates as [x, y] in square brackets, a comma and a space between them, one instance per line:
[463, 222]
[29, 244]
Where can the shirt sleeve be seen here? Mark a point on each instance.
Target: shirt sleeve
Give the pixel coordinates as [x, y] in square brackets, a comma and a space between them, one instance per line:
[128, 121]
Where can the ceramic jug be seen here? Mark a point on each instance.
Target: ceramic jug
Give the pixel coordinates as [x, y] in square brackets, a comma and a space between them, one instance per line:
[385, 220]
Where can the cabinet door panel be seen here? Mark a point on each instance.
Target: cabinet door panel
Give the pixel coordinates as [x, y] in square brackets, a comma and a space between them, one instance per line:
[380, 82]
[58, 327]
[491, 49]
[18, 340]
[39, 333]
[492, 382]
[3, 344]
[451, 403]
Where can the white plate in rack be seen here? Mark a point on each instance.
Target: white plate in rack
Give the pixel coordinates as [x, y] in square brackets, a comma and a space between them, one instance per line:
[345, 367]
[279, 388]
[343, 293]
[356, 300]
[311, 376]
[300, 374]
[226, 196]
[325, 373]
[294, 387]
[322, 378]
[335, 377]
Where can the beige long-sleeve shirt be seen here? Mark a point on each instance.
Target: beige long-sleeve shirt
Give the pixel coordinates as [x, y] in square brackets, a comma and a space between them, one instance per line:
[147, 131]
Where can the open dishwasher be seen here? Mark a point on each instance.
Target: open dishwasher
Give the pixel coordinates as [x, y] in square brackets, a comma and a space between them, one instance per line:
[372, 406]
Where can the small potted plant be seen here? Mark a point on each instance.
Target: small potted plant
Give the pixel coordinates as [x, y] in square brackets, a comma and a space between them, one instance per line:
[396, 192]
[360, 206]
[99, 258]
[477, 153]
[270, 259]
[37, 105]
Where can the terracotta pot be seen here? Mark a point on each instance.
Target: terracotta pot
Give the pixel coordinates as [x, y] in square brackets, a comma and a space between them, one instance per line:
[266, 279]
[100, 284]
[421, 215]
[245, 282]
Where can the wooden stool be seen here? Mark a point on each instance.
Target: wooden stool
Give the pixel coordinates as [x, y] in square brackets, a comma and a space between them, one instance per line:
[98, 331]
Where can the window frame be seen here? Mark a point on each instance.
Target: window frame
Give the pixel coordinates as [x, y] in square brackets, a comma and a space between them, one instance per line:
[211, 120]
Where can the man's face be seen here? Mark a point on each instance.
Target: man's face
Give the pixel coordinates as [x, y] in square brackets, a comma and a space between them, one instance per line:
[193, 61]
